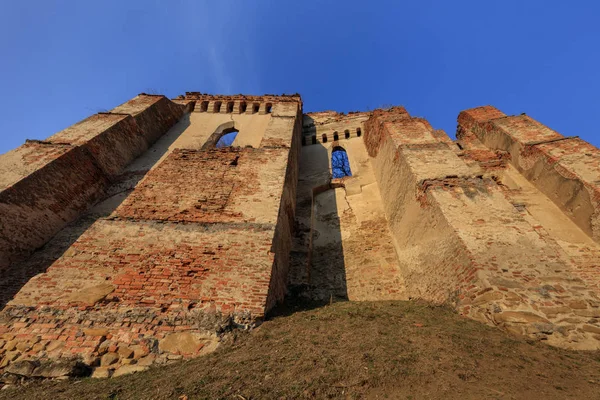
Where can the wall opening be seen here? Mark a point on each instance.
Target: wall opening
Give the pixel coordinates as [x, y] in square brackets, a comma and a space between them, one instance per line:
[243, 107]
[324, 138]
[227, 139]
[268, 108]
[314, 140]
[347, 134]
[223, 136]
[336, 137]
[230, 107]
[255, 108]
[217, 107]
[340, 165]
[358, 132]
[204, 106]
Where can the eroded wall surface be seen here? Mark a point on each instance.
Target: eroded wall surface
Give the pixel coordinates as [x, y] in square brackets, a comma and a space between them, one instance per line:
[128, 239]
[186, 243]
[343, 247]
[472, 228]
[46, 184]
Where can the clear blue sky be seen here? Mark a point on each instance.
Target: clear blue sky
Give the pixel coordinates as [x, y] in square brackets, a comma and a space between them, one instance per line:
[64, 60]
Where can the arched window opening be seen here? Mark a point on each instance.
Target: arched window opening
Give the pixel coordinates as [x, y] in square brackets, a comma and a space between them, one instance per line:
[324, 138]
[314, 140]
[204, 106]
[255, 108]
[227, 139]
[336, 137]
[243, 107]
[268, 108]
[347, 134]
[217, 107]
[340, 165]
[230, 107]
[358, 132]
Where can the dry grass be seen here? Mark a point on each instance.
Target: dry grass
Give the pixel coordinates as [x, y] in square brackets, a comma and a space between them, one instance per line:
[395, 350]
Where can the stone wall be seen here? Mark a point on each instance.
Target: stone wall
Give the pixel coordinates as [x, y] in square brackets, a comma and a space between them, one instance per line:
[566, 169]
[343, 247]
[409, 162]
[470, 230]
[187, 244]
[46, 184]
[178, 242]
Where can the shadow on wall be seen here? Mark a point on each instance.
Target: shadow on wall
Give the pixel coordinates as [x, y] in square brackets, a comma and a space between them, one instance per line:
[19, 273]
[318, 273]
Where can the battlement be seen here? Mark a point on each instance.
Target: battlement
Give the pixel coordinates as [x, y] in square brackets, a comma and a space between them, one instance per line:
[330, 126]
[242, 104]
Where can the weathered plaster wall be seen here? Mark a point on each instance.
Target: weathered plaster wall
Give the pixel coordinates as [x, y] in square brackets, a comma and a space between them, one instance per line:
[566, 169]
[186, 243]
[464, 236]
[326, 126]
[407, 160]
[343, 246]
[44, 187]
[46, 184]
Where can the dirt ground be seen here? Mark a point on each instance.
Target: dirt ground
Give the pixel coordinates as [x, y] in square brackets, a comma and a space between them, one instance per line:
[379, 350]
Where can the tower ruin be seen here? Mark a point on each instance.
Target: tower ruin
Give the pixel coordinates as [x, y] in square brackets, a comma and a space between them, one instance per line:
[142, 234]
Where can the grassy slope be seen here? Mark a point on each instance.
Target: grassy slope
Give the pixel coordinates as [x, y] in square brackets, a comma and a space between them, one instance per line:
[402, 350]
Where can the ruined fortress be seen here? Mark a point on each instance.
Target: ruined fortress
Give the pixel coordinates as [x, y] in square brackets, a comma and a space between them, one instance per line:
[137, 236]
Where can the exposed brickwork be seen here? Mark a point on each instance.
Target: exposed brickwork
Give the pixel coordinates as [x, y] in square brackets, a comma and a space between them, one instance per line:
[112, 139]
[47, 184]
[153, 114]
[213, 266]
[52, 184]
[201, 244]
[501, 262]
[546, 158]
[227, 185]
[197, 96]
[191, 240]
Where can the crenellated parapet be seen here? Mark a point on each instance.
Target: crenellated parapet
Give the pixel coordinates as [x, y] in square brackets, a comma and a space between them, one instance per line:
[330, 126]
[241, 104]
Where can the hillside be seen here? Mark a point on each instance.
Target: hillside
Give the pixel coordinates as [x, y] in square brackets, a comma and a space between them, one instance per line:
[396, 350]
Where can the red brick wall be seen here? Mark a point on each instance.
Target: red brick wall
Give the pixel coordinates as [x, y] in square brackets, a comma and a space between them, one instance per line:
[113, 140]
[221, 185]
[154, 114]
[56, 180]
[65, 183]
[201, 243]
[154, 264]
